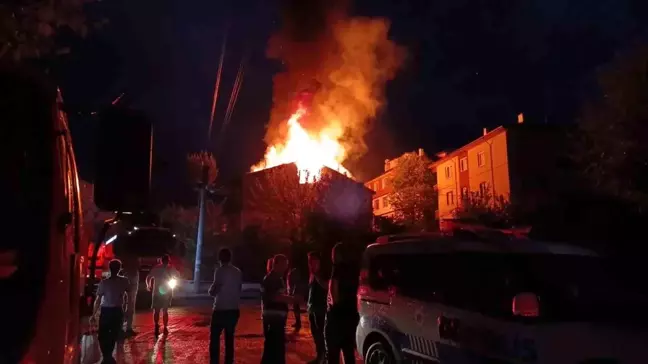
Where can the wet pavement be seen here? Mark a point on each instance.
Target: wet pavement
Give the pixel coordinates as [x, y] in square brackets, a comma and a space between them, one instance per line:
[188, 338]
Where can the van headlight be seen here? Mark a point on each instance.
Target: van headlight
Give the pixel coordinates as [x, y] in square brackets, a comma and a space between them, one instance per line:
[172, 283]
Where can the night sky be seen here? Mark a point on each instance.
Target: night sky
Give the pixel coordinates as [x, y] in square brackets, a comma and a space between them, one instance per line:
[471, 64]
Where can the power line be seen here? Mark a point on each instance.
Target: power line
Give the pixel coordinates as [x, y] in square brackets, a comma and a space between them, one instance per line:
[233, 97]
[217, 85]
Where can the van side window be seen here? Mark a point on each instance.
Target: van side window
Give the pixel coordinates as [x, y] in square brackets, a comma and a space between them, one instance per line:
[465, 281]
[379, 273]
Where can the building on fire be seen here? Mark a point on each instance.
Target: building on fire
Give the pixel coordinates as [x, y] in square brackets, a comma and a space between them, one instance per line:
[271, 198]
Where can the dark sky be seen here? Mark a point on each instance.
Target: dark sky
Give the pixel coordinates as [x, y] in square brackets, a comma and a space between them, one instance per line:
[471, 64]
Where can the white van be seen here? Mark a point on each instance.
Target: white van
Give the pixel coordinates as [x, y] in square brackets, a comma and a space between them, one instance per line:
[442, 299]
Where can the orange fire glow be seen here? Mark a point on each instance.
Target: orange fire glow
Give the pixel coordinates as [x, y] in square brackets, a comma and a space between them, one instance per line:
[310, 152]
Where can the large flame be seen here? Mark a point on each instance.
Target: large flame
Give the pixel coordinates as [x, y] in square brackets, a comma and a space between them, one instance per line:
[310, 152]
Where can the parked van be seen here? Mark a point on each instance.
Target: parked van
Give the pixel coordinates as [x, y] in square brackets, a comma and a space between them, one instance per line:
[446, 299]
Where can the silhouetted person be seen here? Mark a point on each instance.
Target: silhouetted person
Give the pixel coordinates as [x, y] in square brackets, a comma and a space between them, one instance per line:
[226, 291]
[158, 282]
[130, 270]
[342, 310]
[317, 291]
[294, 288]
[112, 296]
[275, 304]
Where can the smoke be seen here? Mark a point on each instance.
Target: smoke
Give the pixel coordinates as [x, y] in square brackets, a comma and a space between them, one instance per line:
[345, 61]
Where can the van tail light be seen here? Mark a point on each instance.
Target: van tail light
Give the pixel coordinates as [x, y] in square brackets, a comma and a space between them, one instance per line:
[526, 304]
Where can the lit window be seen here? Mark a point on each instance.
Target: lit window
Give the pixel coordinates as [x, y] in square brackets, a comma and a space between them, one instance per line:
[463, 164]
[481, 159]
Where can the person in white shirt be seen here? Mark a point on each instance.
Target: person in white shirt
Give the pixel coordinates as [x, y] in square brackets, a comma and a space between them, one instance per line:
[112, 296]
[226, 291]
[159, 282]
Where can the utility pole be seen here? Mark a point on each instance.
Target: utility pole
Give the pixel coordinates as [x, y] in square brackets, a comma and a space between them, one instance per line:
[202, 193]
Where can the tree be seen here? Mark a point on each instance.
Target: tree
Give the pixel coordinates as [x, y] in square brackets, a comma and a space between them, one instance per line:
[612, 148]
[32, 29]
[282, 203]
[203, 172]
[184, 223]
[482, 207]
[414, 198]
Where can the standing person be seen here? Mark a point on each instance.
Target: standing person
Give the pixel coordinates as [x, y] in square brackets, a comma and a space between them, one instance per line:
[317, 291]
[131, 272]
[342, 310]
[112, 296]
[294, 285]
[274, 306]
[161, 281]
[226, 291]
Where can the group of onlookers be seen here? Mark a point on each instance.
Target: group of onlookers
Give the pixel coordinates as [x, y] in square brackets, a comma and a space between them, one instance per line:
[331, 306]
[115, 301]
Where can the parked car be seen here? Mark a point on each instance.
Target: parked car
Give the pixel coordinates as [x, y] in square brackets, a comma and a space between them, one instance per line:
[432, 298]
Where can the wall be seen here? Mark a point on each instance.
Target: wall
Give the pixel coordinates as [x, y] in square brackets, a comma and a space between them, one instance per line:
[382, 188]
[494, 171]
[447, 184]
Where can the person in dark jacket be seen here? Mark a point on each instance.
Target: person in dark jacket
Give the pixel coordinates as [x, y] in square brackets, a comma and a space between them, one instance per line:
[274, 308]
[317, 291]
[294, 283]
[342, 310]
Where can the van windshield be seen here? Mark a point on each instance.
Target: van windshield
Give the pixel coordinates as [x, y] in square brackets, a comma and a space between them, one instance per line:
[146, 243]
[571, 288]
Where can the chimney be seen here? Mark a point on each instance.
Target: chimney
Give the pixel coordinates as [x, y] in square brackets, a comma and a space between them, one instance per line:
[386, 165]
[520, 118]
[485, 131]
[420, 152]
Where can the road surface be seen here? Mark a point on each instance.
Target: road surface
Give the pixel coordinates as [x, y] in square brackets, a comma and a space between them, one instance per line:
[188, 339]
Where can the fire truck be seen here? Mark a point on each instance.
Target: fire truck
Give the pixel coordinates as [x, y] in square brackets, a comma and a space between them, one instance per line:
[43, 251]
[146, 244]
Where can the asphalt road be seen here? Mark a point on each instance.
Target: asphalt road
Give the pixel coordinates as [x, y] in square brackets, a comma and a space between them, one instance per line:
[188, 339]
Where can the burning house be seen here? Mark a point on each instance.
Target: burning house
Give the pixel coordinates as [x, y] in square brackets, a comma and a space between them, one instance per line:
[325, 99]
[278, 200]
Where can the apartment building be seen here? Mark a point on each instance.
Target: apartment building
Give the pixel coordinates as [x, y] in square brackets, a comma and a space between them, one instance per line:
[479, 166]
[382, 188]
[523, 164]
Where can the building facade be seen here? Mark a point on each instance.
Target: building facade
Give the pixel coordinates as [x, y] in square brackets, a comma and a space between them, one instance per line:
[520, 163]
[382, 188]
[481, 166]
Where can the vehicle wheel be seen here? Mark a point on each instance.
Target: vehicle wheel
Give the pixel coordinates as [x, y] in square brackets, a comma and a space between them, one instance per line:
[378, 353]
